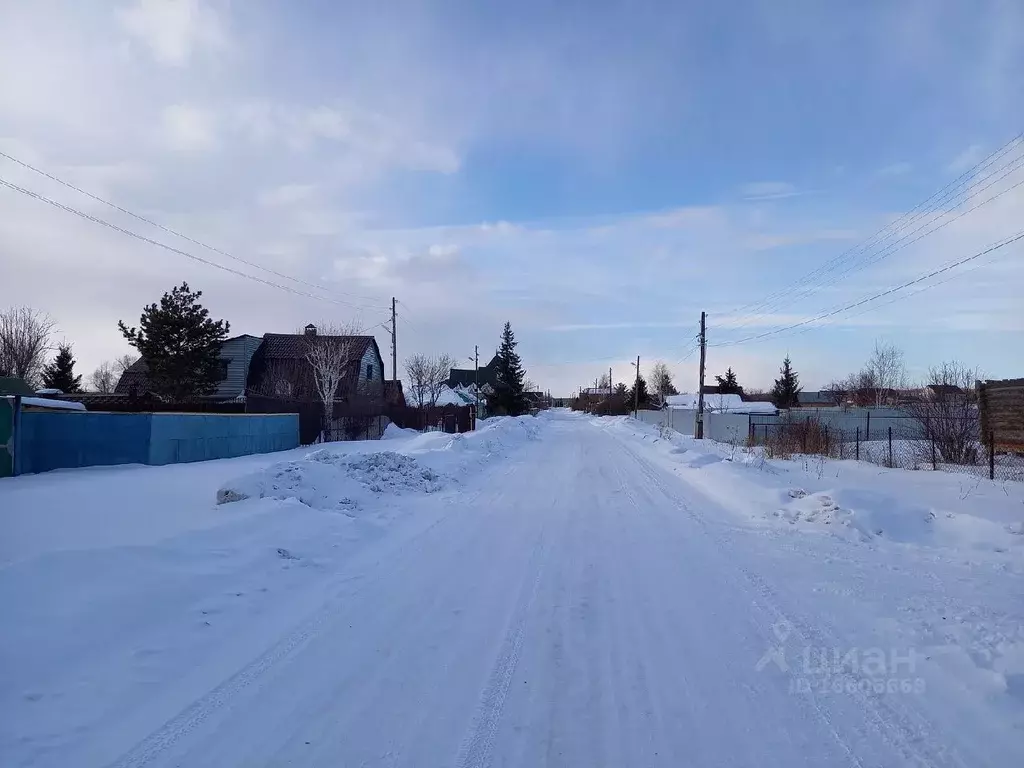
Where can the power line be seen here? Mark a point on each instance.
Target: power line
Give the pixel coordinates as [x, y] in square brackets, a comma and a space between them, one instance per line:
[172, 249]
[890, 249]
[174, 232]
[831, 313]
[927, 207]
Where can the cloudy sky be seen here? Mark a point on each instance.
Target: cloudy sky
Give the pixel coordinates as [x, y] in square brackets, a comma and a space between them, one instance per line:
[595, 172]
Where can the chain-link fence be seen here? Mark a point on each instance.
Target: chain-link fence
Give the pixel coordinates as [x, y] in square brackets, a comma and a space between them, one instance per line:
[907, 443]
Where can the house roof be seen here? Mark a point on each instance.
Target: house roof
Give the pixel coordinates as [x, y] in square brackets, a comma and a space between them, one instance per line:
[819, 396]
[945, 389]
[292, 346]
[464, 377]
[135, 380]
[393, 391]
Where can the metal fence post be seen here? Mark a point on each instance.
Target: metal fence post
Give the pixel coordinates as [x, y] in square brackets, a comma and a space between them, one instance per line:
[934, 463]
[867, 428]
[991, 455]
[857, 455]
[827, 452]
[890, 448]
[751, 430]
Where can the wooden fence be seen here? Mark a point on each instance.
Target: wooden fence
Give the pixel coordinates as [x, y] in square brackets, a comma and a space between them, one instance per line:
[1001, 403]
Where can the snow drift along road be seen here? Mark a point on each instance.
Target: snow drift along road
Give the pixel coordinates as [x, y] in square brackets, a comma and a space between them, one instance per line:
[572, 600]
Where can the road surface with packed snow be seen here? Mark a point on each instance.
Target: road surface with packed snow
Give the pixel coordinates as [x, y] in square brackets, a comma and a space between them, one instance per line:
[565, 595]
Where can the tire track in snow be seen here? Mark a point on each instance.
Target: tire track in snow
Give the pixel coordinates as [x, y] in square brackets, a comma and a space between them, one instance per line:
[194, 715]
[903, 731]
[478, 747]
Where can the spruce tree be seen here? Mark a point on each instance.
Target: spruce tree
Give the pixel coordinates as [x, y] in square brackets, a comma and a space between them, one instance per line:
[638, 394]
[509, 395]
[180, 344]
[728, 385]
[60, 374]
[786, 391]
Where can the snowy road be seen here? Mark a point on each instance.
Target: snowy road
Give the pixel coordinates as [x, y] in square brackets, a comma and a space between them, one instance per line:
[577, 605]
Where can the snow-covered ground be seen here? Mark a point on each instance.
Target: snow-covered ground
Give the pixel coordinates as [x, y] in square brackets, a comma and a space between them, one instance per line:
[558, 590]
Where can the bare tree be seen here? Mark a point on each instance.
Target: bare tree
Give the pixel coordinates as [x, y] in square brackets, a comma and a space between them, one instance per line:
[24, 342]
[427, 377]
[329, 351]
[837, 391]
[886, 370]
[104, 378]
[124, 362]
[417, 370]
[948, 413]
[661, 381]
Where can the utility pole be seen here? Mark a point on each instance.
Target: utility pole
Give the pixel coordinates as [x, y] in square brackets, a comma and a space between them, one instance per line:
[700, 387]
[636, 390]
[609, 381]
[394, 342]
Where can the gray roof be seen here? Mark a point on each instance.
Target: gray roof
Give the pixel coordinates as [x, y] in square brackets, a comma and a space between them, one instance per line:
[238, 351]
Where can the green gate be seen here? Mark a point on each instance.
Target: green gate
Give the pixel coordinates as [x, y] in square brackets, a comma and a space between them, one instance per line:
[6, 437]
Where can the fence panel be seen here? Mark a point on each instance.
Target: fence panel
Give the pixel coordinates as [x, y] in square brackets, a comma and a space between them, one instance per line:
[6, 437]
[949, 445]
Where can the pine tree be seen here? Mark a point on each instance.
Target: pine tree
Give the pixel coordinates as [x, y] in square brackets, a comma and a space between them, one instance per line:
[509, 395]
[786, 391]
[180, 344]
[638, 394]
[60, 374]
[728, 385]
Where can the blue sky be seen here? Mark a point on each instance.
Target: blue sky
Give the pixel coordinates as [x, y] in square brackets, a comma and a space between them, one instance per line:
[597, 173]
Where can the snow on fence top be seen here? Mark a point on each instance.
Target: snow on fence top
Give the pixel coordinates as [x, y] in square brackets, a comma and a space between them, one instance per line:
[719, 404]
[45, 402]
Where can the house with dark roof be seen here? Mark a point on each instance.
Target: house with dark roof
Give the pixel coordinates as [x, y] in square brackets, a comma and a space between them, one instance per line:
[468, 377]
[279, 367]
[235, 355]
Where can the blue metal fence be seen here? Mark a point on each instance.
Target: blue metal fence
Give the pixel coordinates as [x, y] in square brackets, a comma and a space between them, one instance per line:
[69, 439]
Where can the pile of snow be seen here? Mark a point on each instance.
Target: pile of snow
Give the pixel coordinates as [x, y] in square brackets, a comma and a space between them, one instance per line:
[395, 432]
[328, 480]
[335, 478]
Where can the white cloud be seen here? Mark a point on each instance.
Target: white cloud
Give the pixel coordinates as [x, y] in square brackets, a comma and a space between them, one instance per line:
[187, 128]
[768, 190]
[966, 159]
[894, 169]
[286, 195]
[173, 30]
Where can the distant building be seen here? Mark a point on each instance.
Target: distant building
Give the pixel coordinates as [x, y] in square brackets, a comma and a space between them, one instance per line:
[279, 368]
[235, 356]
[468, 377]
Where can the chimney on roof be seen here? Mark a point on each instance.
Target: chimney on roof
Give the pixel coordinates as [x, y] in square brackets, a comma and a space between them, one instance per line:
[311, 330]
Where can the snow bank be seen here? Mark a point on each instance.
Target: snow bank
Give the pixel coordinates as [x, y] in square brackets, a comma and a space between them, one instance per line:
[345, 482]
[854, 500]
[395, 432]
[328, 480]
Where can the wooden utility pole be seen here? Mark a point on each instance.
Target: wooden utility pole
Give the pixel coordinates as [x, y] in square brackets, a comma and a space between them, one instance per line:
[609, 381]
[636, 390]
[394, 341]
[700, 387]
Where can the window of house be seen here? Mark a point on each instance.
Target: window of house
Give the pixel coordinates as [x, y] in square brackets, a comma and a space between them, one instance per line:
[369, 371]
